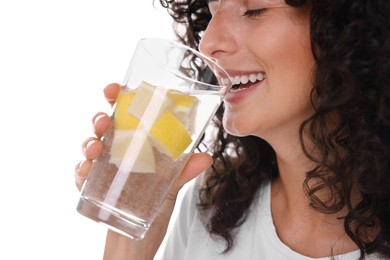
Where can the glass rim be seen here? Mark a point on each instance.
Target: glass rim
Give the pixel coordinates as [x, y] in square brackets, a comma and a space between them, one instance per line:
[226, 85]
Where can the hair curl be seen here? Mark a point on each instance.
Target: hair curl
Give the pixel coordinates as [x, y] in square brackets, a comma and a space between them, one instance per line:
[351, 46]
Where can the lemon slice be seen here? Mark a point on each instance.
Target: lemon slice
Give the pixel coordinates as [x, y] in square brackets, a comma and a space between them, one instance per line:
[181, 99]
[143, 97]
[170, 136]
[167, 121]
[122, 119]
[184, 107]
[143, 156]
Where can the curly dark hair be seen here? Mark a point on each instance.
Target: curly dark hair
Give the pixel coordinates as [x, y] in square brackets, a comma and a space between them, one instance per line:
[350, 42]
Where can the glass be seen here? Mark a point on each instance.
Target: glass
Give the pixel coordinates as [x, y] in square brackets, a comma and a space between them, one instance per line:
[169, 95]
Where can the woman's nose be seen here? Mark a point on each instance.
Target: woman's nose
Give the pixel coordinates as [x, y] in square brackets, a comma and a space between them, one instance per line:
[218, 39]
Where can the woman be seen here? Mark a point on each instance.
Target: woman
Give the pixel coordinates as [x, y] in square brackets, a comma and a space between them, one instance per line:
[300, 166]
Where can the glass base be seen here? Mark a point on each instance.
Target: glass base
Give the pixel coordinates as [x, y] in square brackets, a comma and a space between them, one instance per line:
[116, 220]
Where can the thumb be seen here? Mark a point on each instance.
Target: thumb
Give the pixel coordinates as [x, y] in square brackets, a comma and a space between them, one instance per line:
[198, 163]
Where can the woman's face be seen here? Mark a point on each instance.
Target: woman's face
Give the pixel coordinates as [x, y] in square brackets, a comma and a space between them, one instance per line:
[266, 42]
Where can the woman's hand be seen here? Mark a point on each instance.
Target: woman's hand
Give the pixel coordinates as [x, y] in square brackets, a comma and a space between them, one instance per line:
[92, 147]
[118, 246]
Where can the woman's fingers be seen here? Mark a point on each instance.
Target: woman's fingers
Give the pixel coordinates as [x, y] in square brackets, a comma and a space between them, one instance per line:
[101, 123]
[81, 172]
[111, 92]
[92, 148]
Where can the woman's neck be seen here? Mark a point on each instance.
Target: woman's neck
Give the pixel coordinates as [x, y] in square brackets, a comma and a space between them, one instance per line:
[299, 226]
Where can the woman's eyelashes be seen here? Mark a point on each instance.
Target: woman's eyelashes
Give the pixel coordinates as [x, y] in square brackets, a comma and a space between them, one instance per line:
[214, 4]
[254, 12]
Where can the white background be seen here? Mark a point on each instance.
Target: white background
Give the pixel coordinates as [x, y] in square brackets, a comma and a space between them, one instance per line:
[55, 59]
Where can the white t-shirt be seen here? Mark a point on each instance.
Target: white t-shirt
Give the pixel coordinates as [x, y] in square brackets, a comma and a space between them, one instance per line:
[256, 239]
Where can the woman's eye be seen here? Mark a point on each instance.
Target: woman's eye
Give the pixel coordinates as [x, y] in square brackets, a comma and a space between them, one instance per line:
[254, 12]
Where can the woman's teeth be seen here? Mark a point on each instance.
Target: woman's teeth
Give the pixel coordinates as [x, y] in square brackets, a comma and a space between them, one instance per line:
[243, 79]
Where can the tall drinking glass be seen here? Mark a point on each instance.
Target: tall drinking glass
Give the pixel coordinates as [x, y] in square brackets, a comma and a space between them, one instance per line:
[169, 95]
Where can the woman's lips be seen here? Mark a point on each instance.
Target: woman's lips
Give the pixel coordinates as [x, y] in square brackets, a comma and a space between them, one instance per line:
[240, 91]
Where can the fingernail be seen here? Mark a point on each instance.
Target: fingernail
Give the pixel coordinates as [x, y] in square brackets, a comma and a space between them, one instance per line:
[87, 144]
[97, 117]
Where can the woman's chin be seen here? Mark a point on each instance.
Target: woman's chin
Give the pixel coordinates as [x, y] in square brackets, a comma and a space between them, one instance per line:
[232, 128]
